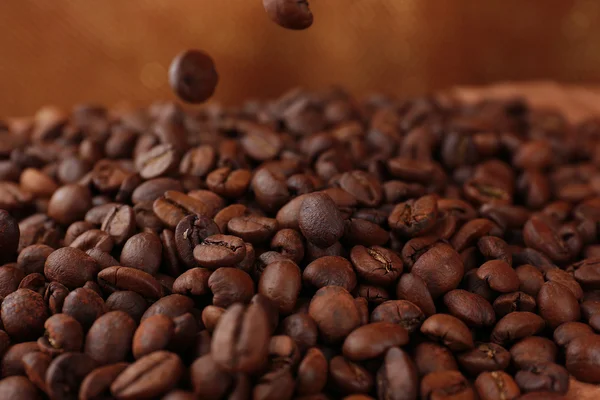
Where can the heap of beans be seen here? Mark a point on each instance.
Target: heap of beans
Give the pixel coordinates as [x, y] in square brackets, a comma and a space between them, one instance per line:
[312, 247]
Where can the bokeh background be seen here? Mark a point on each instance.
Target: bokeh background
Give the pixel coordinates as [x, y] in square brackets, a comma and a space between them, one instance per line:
[68, 51]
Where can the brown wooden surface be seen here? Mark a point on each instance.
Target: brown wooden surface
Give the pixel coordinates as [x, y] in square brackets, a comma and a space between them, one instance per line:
[65, 51]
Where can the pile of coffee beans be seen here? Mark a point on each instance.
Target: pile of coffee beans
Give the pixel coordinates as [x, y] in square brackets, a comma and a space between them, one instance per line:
[312, 247]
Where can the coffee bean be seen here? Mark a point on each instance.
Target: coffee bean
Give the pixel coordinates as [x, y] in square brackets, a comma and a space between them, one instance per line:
[330, 271]
[154, 188]
[94, 238]
[12, 361]
[548, 377]
[198, 161]
[192, 76]
[540, 235]
[302, 329]
[533, 350]
[192, 282]
[219, 251]
[63, 333]
[349, 377]
[401, 312]
[397, 378]
[412, 288]
[241, 339]
[65, 374]
[449, 330]
[557, 304]
[119, 223]
[499, 276]
[289, 14]
[10, 279]
[515, 326]
[471, 232]
[320, 220]
[97, 383]
[171, 306]
[414, 218]
[377, 265]
[150, 376]
[446, 385]
[124, 278]
[228, 182]
[530, 278]
[229, 286]
[32, 258]
[109, 339]
[281, 282]
[142, 251]
[485, 357]
[510, 302]
[496, 385]
[9, 236]
[18, 387]
[23, 314]
[159, 161]
[440, 268]
[36, 364]
[567, 332]
[333, 309]
[71, 267]
[173, 206]
[582, 360]
[153, 334]
[471, 308]
[190, 232]
[252, 228]
[208, 379]
[373, 340]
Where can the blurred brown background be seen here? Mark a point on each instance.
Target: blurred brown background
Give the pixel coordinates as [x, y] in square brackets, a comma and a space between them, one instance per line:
[67, 51]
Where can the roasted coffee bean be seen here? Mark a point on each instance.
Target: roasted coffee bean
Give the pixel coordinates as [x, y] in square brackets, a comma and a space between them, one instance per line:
[373, 294]
[150, 376]
[484, 357]
[109, 339]
[193, 282]
[71, 267]
[582, 360]
[94, 238]
[229, 286]
[12, 362]
[241, 339]
[496, 385]
[65, 374]
[567, 332]
[533, 350]
[557, 304]
[18, 387]
[515, 326]
[192, 76]
[548, 377]
[171, 207]
[330, 271]
[119, 223]
[320, 220]
[401, 312]
[124, 278]
[55, 295]
[373, 340]
[228, 182]
[510, 302]
[289, 14]
[209, 381]
[32, 258]
[159, 161]
[219, 251]
[84, 305]
[440, 268]
[367, 233]
[36, 364]
[198, 161]
[414, 218]
[152, 189]
[302, 329]
[377, 265]
[335, 313]
[9, 236]
[349, 377]
[10, 279]
[397, 377]
[281, 282]
[252, 228]
[24, 314]
[446, 385]
[449, 330]
[63, 333]
[472, 309]
[129, 302]
[430, 357]
[531, 279]
[142, 251]
[540, 235]
[289, 243]
[69, 203]
[499, 276]
[190, 232]
[153, 334]
[270, 189]
[412, 288]
[96, 384]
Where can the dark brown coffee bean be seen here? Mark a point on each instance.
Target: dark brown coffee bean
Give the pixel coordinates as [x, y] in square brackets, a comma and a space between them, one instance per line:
[96, 384]
[270, 189]
[9, 236]
[129, 302]
[12, 362]
[373, 294]
[367, 233]
[496, 385]
[198, 161]
[229, 286]
[211, 316]
[548, 377]
[397, 378]
[32, 258]
[377, 265]
[209, 381]
[281, 282]
[142, 251]
[159, 161]
[228, 182]
[565, 333]
[373, 340]
[36, 364]
[149, 377]
[123, 278]
[440, 268]
[173, 206]
[172, 306]
[312, 373]
[289, 14]
[449, 330]
[98, 213]
[153, 334]
[414, 218]
[401, 312]
[533, 350]
[84, 305]
[219, 251]
[63, 333]
[362, 305]
[557, 304]
[65, 374]
[190, 232]
[472, 309]
[499, 276]
[582, 360]
[193, 282]
[335, 313]
[470, 233]
[54, 296]
[154, 188]
[108, 175]
[18, 387]
[109, 339]
[446, 385]
[540, 235]
[252, 228]
[71, 267]
[412, 288]
[119, 223]
[516, 325]
[330, 271]
[94, 238]
[23, 315]
[241, 339]
[349, 377]
[511, 302]
[192, 76]
[10, 278]
[69, 203]
[302, 329]
[320, 220]
[484, 357]
[531, 279]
